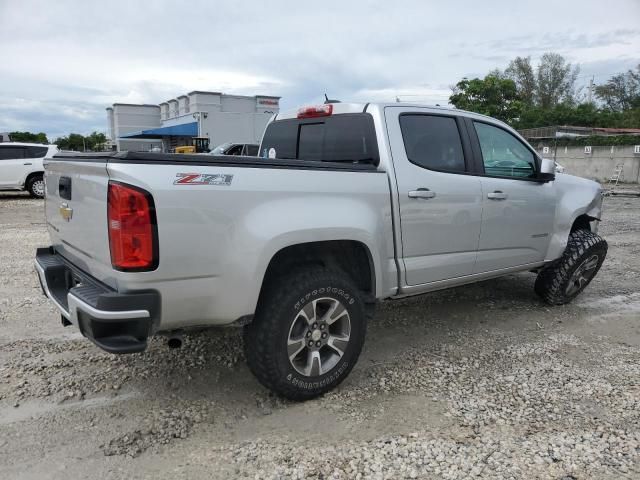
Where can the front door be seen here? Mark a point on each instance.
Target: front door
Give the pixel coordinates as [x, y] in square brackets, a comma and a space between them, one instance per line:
[12, 165]
[440, 202]
[518, 212]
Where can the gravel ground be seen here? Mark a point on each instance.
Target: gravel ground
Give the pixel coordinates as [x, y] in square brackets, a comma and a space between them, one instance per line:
[483, 381]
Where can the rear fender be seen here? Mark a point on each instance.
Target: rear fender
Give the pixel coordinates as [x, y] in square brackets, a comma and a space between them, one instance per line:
[325, 220]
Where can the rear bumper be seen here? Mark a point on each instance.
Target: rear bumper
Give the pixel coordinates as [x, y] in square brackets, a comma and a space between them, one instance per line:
[115, 322]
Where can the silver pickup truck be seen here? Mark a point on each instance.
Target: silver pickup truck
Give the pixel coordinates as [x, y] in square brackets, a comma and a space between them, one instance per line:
[348, 204]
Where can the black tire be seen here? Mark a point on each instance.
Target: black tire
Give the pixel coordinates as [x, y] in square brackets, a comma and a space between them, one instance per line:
[279, 310]
[556, 283]
[35, 186]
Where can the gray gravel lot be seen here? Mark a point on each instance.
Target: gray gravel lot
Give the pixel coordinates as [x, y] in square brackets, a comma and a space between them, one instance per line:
[483, 381]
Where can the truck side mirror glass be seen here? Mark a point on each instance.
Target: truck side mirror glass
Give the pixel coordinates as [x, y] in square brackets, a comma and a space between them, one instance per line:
[547, 170]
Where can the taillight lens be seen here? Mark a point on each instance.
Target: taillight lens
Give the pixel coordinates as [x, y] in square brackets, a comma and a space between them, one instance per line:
[316, 111]
[133, 234]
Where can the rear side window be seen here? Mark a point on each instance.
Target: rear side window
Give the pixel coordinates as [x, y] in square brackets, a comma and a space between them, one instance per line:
[36, 152]
[8, 153]
[338, 138]
[433, 142]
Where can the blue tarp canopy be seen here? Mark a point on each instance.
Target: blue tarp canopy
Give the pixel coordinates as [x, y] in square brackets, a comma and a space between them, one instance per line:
[182, 130]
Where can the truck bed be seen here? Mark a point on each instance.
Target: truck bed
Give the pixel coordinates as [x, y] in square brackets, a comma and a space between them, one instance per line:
[220, 220]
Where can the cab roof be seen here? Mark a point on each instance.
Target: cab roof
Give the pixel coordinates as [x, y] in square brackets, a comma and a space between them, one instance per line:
[339, 108]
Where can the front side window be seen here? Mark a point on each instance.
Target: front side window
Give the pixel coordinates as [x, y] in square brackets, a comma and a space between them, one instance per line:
[9, 153]
[503, 154]
[432, 142]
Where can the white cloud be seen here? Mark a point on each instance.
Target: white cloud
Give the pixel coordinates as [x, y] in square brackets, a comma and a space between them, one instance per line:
[63, 62]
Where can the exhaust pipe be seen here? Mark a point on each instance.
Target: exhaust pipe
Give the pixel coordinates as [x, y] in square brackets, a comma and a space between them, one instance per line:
[174, 341]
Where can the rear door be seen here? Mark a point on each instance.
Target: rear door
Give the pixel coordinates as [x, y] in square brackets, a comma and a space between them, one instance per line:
[76, 212]
[12, 165]
[440, 200]
[518, 211]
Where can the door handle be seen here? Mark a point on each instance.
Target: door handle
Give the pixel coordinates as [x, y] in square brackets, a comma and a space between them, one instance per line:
[497, 195]
[422, 193]
[28, 163]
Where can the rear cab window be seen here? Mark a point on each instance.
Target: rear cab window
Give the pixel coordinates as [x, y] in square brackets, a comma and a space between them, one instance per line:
[345, 137]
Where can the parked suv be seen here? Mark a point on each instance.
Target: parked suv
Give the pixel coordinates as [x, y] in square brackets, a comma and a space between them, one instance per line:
[21, 166]
[352, 204]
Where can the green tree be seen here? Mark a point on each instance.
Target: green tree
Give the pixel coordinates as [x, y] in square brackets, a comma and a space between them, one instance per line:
[74, 141]
[521, 72]
[550, 83]
[528, 97]
[621, 92]
[555, 81]
[96, 141]
[493, 96]
[29, 137]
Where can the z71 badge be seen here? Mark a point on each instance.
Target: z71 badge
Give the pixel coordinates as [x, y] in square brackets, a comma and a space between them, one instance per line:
[203, 179]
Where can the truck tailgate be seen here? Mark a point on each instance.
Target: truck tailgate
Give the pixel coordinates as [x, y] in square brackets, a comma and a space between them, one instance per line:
[76, 212]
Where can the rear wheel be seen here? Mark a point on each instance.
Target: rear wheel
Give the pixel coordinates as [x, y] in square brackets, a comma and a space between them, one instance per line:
[561, 281]
[307, 333]
[35, 186]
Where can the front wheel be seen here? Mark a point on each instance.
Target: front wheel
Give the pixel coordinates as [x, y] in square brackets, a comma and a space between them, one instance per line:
[35, 186]
[561, 281]
[307, 333]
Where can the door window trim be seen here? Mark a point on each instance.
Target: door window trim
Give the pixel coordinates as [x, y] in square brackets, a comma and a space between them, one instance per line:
[479, 159]
[467, 151]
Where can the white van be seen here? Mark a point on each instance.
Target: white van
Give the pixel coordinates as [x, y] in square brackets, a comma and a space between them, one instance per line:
[21, 166]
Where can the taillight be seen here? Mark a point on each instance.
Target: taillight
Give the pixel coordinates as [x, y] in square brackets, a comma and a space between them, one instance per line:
[316, 111]
[133, 234]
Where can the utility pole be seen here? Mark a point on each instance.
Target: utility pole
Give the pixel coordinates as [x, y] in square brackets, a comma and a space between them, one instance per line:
[590, 95]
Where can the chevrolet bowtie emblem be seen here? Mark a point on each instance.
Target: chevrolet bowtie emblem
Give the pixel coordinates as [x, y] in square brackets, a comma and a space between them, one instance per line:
[66, 212]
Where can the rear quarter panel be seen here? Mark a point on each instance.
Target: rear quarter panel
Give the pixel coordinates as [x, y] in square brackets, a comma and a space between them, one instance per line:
[216, 241]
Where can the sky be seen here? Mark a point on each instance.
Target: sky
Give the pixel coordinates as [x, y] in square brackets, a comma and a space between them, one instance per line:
[63, 62]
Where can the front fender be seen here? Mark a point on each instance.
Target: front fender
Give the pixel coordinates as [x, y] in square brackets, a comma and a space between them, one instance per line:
[575, 197]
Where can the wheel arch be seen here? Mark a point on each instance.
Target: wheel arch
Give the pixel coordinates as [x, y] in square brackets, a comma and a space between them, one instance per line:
[582, 222]
[353, 257]
[579, 204]
[30, 176]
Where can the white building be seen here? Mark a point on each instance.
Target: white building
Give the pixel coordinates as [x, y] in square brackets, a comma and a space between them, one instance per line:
[222, 118]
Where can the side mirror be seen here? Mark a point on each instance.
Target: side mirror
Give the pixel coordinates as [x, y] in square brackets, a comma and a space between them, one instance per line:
[547, 170]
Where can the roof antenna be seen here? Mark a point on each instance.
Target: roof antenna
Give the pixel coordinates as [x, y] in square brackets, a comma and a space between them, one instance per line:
[328, 100]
